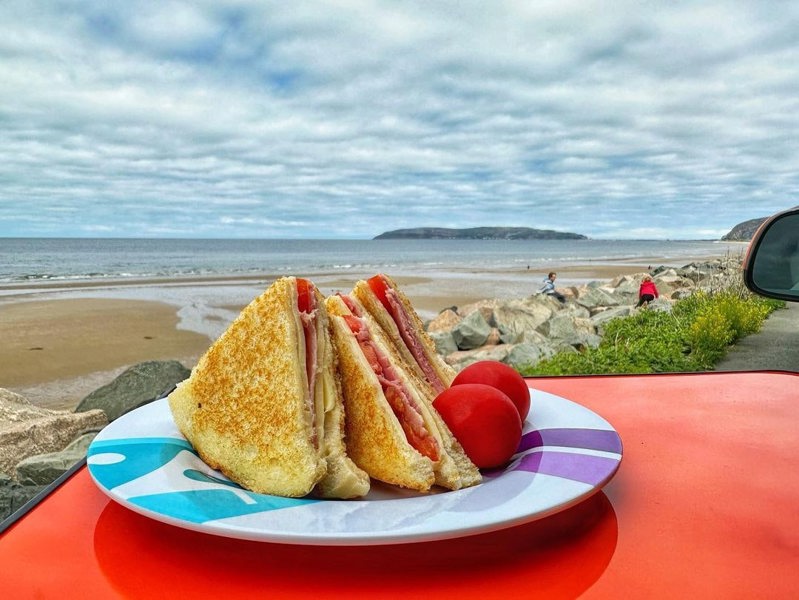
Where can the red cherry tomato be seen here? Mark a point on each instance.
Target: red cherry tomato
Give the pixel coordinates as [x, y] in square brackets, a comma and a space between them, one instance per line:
[484, 421]
[501, 376]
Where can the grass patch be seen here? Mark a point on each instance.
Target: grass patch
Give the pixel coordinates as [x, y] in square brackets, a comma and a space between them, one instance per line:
[692, 337]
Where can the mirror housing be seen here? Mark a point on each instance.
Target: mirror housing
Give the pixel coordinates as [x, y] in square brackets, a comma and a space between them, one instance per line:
[771, 267]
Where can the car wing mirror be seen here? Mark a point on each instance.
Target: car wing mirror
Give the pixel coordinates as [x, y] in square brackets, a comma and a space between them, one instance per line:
[771, 267]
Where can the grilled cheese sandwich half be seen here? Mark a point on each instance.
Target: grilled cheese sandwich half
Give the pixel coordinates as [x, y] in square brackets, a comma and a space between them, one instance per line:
[263, 405]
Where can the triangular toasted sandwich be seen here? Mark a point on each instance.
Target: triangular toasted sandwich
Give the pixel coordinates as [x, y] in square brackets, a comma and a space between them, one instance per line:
[393, 431]
[389, 306]
[263, 404]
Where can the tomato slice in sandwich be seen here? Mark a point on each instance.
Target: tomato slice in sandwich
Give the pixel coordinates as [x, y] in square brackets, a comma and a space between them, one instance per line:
[378, 285]
[304, 293]
[405, 327]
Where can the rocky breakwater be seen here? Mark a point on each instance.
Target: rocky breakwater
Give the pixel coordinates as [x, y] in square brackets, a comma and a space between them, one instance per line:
[38, 445]
[523, 331]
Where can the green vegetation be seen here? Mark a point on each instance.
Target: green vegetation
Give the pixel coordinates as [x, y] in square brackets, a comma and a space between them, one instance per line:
[694, 336]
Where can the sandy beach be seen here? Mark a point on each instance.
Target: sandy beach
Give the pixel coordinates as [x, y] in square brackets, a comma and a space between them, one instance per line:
[60, 342]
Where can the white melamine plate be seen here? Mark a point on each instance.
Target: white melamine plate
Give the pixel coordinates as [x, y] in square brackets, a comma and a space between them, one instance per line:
[567, 453]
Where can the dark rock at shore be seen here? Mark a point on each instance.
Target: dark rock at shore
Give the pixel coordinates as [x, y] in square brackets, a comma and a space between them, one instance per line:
[43, 469]
[14, 495]
[27, 430]
[743, 232]
[478, 233]
[138, 385]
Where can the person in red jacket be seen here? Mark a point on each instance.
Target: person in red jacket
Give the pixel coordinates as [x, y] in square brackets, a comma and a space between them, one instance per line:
[647, 291]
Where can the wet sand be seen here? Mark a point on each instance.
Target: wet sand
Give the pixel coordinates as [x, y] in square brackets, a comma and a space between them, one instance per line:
[54, 352]
[60, 342]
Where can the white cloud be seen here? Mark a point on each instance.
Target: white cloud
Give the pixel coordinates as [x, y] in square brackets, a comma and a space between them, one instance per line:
[345, 119]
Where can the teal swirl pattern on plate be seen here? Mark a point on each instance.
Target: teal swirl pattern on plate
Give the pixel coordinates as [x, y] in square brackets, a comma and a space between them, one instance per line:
[198, 496]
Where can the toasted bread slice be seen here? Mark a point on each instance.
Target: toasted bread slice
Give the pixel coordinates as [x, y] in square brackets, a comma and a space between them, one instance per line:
[343, 478]
[245, 407]
[454, 470]
[406, 332]
[375, 438]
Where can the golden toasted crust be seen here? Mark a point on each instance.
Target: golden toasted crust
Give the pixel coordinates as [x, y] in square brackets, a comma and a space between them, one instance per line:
[375, 439]
[343, 479]
[245, 406]
[364, 294]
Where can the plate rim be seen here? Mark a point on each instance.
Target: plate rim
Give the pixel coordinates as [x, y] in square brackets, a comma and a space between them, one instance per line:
[359, 538]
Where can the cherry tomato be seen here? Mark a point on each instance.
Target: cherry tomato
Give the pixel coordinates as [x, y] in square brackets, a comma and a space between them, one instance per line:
[501, 376]
[484, 421]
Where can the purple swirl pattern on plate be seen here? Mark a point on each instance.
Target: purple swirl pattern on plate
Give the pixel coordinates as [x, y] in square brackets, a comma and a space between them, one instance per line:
[585, 468]
[587, 455]
[569, 437]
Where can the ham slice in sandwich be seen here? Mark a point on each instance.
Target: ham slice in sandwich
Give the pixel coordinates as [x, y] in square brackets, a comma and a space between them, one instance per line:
[392, 310]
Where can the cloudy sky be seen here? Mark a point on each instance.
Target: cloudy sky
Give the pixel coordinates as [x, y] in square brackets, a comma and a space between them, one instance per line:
[346, 118]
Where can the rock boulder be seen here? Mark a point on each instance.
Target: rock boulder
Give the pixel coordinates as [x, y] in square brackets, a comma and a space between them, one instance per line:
[139, 384]
[27, 430]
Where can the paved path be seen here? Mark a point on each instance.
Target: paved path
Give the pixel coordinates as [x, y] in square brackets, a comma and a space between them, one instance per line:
[774, 347]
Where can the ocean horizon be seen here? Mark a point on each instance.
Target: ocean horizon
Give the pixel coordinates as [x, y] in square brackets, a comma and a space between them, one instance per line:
[29, 260]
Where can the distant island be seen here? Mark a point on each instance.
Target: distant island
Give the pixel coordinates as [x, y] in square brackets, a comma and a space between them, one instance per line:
[478, 233]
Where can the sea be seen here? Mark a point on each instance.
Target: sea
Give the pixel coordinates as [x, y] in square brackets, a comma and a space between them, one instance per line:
[32, 260]
[208, 281]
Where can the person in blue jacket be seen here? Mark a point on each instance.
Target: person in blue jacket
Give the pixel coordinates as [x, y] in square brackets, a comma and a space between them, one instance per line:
[549, 288]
